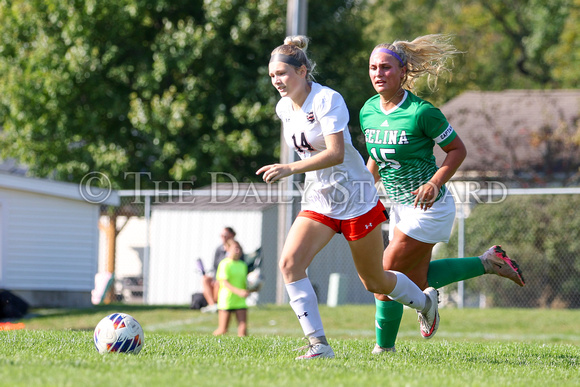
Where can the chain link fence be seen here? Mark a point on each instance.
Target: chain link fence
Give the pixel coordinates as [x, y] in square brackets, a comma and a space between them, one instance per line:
[538, 228]
[159, 239]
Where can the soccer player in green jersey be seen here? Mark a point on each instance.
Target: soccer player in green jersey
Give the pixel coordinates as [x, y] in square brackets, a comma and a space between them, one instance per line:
[401, 130]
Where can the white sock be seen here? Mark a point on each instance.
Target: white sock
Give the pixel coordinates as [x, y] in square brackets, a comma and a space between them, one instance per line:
[407, 292]
[305, 304]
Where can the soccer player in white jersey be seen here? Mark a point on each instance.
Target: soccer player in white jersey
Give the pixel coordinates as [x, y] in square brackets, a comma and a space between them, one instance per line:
[401, 130]
[339, 196]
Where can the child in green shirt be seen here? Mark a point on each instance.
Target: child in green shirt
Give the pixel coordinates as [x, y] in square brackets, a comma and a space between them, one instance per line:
[231, 275]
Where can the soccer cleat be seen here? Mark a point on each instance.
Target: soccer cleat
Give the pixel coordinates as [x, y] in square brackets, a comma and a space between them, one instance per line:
[378, 349]
[429, 319]
[496, 261]
[316, 351]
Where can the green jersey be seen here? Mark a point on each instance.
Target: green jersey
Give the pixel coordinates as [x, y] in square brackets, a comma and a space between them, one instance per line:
[401, 142]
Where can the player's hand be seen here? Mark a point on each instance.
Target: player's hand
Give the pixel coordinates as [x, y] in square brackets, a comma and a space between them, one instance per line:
[426, 195]
[274, 172]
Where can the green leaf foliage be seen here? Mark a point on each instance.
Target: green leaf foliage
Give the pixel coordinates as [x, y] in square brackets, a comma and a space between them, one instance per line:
[175, 89]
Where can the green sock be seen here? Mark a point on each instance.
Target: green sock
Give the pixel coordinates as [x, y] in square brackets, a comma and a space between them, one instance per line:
[387, 320]
[443, 272]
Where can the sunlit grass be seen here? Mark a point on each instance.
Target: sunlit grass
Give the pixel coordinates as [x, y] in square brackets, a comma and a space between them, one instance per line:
[492, 347]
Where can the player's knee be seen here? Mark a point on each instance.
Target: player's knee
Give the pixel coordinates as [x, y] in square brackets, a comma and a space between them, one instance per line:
[286, 266]
[291, 269]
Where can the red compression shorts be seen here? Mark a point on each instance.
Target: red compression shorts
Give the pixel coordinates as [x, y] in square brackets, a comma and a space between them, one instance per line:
[355, 228]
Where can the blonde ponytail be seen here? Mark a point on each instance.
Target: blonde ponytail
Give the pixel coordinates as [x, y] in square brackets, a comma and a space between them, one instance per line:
[429, 54]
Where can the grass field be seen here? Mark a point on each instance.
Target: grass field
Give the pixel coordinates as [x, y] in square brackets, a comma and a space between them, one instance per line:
[473, 347]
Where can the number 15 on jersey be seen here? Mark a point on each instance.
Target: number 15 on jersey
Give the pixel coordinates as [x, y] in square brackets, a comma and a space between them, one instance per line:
[383, 160]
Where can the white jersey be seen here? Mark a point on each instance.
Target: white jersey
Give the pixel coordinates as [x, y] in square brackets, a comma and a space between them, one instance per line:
[343, 191]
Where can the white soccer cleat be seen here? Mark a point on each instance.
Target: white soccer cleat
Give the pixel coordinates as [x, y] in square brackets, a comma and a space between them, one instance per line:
[378, 349]
[496, 261]
[316, 351]
[429, 319]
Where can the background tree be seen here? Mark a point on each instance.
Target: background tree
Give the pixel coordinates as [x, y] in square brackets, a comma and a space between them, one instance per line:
[565, 53]
[172, 88]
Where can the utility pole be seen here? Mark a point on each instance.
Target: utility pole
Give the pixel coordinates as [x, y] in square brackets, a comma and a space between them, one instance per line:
[296, 18]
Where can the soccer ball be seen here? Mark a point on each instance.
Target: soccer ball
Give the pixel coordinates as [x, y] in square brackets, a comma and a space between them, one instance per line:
[255, 280]
[119, 332]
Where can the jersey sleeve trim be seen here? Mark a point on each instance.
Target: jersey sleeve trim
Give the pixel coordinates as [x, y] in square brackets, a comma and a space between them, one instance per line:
[446, 137]
[448, 134]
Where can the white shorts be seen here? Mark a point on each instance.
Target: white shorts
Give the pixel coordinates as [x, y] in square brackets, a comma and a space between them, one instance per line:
[431, 226]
